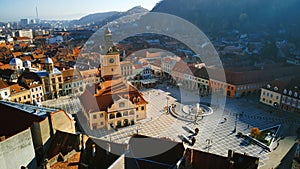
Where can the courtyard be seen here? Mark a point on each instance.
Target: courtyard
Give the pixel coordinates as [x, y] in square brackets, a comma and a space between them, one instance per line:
[216, 131]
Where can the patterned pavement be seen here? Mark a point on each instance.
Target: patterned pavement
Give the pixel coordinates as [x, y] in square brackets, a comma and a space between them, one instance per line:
[212, 127]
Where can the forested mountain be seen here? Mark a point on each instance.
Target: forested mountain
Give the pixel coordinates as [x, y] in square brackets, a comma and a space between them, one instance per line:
[243, 15]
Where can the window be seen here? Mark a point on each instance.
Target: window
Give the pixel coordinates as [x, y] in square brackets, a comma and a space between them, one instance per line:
[125, 113]
[270, 101]
[32, 90]
[122, 104]
[111, 116]
[271, 95]
[101, 123]
[94, 116]
[137, 116]
[142, 108]
[28, 96]
[24, 97]
[33, 96]
[40, 88]
[5, 93]
[131, 112]
[36, 89]
[264, 93]
[101, 115]
[137, 109]
[277, 97]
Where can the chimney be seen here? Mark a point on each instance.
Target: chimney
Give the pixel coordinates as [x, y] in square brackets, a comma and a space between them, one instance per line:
[50, 124]
[230, 154]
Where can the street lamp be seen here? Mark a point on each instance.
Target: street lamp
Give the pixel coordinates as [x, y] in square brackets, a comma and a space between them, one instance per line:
[167, 104]
[235, 123]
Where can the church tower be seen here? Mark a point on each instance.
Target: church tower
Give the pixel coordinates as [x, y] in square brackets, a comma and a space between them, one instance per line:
[49, 65]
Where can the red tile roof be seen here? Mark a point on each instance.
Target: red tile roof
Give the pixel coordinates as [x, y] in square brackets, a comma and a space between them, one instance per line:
[63, 143]
[111, 90]
[248, 75]
[3, 84]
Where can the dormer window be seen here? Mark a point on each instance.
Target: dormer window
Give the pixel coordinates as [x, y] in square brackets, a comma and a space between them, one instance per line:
[275, 88]
[13, 90]
[295, 94]
[268, 86]
[284, 91]
[290, 92]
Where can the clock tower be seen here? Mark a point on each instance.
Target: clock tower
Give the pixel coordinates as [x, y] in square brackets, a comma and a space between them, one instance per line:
[110, 62]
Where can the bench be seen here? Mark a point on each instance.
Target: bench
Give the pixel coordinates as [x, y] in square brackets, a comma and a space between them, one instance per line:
[190, 129]
[185, 138]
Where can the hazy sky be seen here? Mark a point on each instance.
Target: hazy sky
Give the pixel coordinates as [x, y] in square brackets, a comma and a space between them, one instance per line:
[14, 10]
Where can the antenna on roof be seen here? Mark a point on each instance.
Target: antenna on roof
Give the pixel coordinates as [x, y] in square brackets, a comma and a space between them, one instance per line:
[36, 11]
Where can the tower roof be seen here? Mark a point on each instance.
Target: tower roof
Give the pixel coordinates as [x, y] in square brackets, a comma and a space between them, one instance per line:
[48, 61]
[27, 64]
[15, 61]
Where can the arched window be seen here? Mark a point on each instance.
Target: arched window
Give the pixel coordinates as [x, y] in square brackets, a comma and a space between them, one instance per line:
[268, 86]
[131, 112]
[295, 94]
[111, 116]
[284, 91]
[290, 92]
[119, 115]
[275, 88]
[125, 113]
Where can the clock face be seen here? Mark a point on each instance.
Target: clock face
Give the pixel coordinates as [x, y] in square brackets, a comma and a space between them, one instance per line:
[111, 60]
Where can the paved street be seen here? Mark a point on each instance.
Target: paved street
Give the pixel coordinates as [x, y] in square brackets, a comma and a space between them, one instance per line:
[212, 128]
[69, 104]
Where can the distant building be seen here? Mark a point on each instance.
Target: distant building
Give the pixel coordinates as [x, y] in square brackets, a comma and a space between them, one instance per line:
[25, 33]
[52, 80]
[126, 68]
[73, 82]
[245, 81]
[282, 94]
[24, 22]
[190, 77]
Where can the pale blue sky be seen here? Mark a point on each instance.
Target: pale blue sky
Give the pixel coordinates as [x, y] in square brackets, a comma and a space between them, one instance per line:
[14, 10]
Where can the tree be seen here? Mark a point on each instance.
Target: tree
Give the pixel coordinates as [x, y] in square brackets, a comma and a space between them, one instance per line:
[255, 132]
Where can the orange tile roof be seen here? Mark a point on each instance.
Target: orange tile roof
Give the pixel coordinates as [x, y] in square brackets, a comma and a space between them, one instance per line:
[111, 89]
[3, 84]
[71, 75]
[16, 54]
[16, 88]
[5, 66]
[72, 163]
[23, 38]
